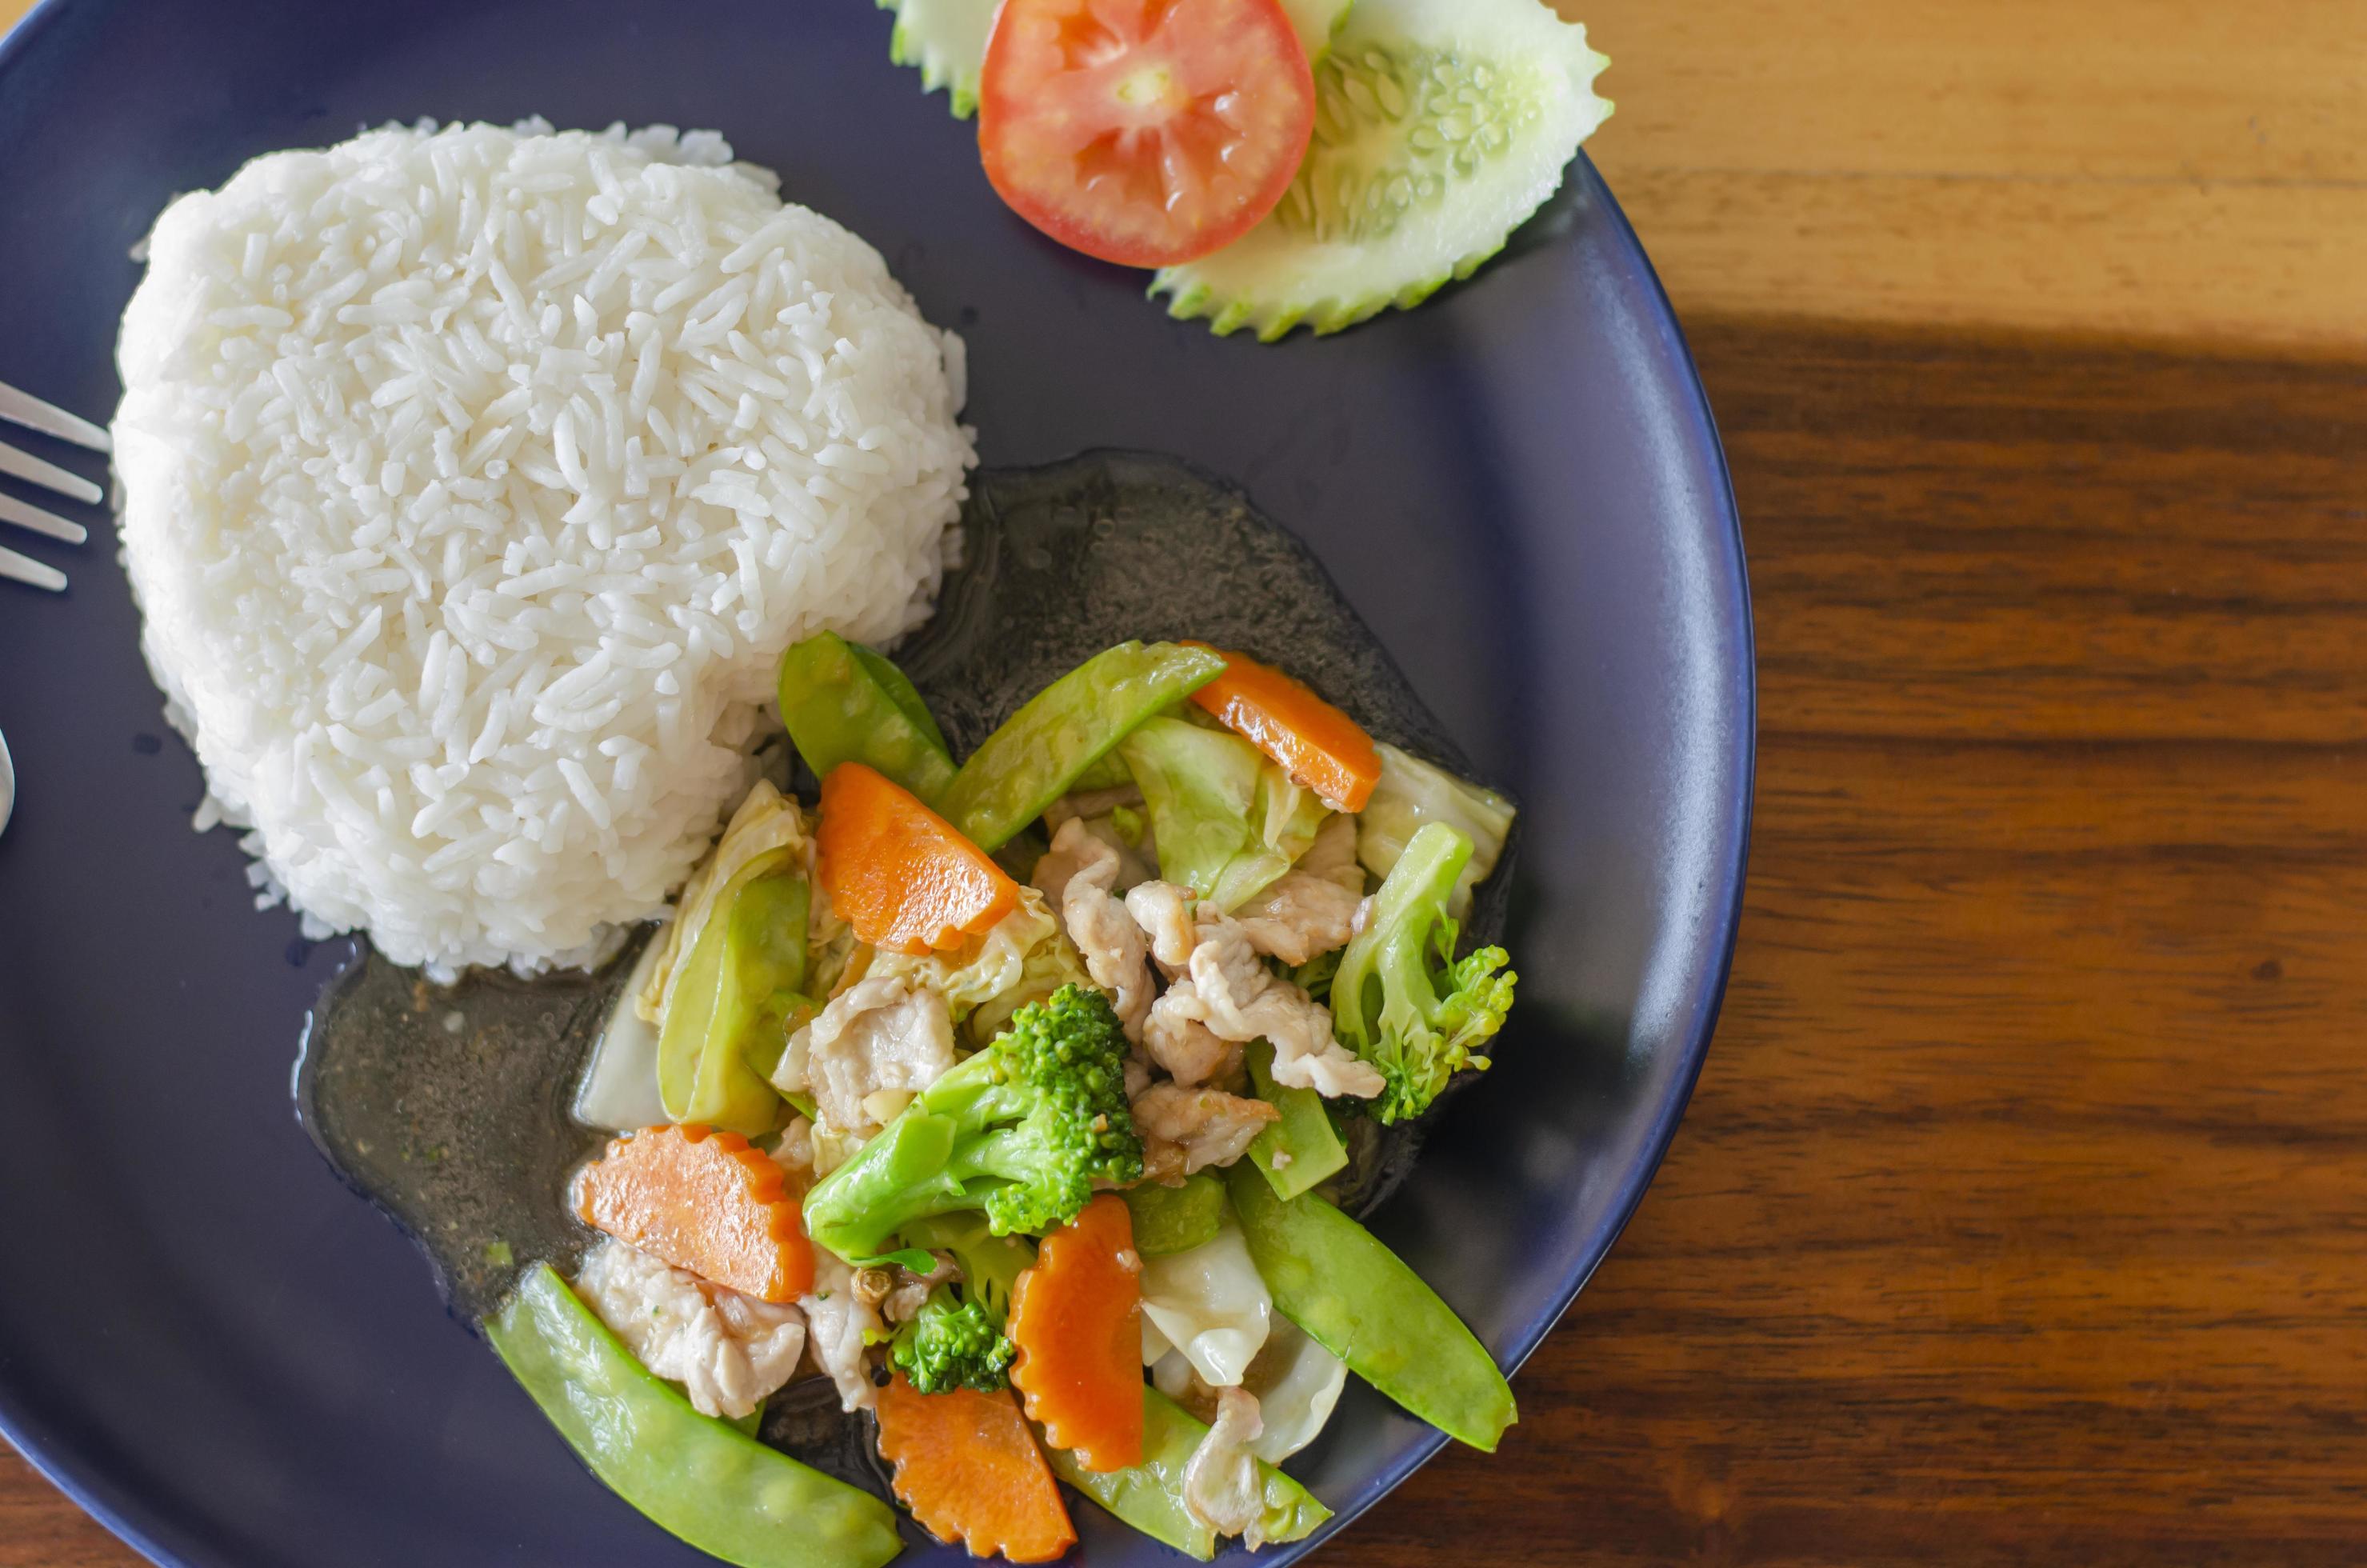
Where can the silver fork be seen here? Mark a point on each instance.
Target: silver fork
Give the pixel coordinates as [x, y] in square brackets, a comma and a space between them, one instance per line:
[23, 408]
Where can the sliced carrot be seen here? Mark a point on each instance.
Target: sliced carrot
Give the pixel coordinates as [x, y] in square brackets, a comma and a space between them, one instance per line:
[1076, 1321]
[702, 1200]
[968, 1466]
[1316, 743]
[903, 876]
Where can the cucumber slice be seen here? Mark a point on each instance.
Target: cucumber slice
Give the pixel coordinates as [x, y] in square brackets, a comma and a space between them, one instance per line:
[947, 39]
[1316, 21]
[1440, 126]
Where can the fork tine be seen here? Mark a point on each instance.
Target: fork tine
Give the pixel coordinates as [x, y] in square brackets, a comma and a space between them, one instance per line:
[24, 408]
[25, 569]
[24, 465]
[14, 511]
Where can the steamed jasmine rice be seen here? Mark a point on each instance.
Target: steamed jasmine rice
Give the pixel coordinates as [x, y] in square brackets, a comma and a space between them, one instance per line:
[473, 482]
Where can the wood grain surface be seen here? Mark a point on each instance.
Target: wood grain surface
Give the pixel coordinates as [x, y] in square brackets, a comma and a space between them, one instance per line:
[2019, 1215]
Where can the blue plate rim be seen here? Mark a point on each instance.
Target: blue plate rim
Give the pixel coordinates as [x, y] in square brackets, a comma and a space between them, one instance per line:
[167, 1543]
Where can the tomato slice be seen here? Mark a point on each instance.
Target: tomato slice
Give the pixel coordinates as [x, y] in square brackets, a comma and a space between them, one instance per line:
[1146, 132]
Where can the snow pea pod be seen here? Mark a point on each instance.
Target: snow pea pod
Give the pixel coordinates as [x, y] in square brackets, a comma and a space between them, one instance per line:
[720, 1491]
[1042, 750]
[1169, 1219]
[1301, 1149]
[841, 702]
[1149, 1497]
[1334, 1279]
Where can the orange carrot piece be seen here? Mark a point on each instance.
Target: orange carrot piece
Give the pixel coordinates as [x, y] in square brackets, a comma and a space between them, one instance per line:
[1076, 1321]
[903, 876]
[1316, 744]
[968, 1466]
[702, 1200]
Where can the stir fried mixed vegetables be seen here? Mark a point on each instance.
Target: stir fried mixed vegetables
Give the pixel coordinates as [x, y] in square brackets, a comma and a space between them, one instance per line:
[1037, 1173]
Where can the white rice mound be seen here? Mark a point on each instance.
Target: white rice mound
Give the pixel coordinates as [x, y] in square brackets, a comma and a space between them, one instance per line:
[472, 482]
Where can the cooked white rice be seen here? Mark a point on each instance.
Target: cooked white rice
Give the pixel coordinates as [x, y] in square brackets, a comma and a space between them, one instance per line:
[473, 482]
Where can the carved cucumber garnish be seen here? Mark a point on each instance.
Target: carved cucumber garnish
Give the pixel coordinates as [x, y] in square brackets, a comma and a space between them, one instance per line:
[1440, 126]
[946, 41]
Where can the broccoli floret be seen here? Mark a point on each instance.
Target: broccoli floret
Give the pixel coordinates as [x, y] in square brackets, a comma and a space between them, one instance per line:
[1019, 1132]
[953, 1344]
[958, 1339]
[1400, 1000]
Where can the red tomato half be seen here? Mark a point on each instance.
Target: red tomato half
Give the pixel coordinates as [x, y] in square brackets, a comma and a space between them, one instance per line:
[1144, 132]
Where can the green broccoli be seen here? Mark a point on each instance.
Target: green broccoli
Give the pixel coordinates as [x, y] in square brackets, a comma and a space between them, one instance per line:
[952, 1343]
[1019, 1132]
[1399, 999]
[957, 1340]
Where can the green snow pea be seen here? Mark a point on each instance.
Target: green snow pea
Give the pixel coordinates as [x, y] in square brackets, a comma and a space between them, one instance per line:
[710, 1486]
[1041, 751]
[1169, 1219]
[1150, 1495]
[1360, 1301]
[841, 702]
[727, 1021]
[1301, 1149]
[1109, 773]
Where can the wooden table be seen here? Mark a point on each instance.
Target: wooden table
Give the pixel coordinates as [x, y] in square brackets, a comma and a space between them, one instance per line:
[2021, 1214]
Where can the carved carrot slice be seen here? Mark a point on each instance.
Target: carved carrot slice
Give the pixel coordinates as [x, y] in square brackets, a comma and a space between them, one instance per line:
[704, 1201]
[903, 876]
[1316, 743]
[1076, 1320]
[968, 1467]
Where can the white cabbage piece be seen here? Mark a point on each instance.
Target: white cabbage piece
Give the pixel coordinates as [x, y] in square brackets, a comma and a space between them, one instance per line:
[619, 1089]
[767, 822]
[1297, 1385]
[1296, 1381]
[1022, 957]
[1412, 793]
[1227, 821]
[1211, 1305]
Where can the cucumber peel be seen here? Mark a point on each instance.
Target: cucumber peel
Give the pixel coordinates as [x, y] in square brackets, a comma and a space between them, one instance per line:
[946, 40]
[1441, 126]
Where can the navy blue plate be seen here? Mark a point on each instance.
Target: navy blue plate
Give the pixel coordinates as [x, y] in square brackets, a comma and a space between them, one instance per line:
[233, 1360]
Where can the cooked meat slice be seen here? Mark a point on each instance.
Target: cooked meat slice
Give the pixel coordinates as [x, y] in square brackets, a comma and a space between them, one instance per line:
[1164, 913]
[727, 1350]
[1220, 982]
[837, 1321]
[1314, 907]
[1076, 877]
[1333, 856]
[881, 1034]
[1221, 1486]
[1186, 1129]
[1240, 999]
[1073, 850]
[793, 1150]
[1299, 916]
[1175, 1038]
